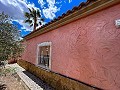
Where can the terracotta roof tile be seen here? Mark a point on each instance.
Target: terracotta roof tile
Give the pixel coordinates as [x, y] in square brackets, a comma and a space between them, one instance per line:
[83, 4]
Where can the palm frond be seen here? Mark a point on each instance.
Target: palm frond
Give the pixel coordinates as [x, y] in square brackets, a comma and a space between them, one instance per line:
[42, 19]
[31, 25]
[29, 10]
[28, 21]
[36, 24]
[33, 9]
[38, 13]
[40, 23]
[27, 15]
[33, 16]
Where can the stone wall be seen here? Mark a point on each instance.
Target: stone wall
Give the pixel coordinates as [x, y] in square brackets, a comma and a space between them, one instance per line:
[57, 81]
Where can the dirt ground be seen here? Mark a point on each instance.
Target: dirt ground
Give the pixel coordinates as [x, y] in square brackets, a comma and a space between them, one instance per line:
[10, 81]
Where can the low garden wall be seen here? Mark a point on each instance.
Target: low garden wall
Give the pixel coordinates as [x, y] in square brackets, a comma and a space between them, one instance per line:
[57, 81]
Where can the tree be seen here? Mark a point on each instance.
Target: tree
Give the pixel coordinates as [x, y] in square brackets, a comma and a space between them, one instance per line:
[33, 17]
[10, 44]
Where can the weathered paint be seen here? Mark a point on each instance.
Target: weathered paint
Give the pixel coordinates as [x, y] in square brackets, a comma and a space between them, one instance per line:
[87, 49]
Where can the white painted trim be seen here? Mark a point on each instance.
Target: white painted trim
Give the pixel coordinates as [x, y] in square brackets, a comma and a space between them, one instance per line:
[44, 44]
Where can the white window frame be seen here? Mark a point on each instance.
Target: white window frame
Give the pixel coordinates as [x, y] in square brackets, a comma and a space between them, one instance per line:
[44, 44]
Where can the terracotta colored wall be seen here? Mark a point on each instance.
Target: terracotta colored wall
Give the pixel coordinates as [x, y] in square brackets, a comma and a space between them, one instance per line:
[87, 49]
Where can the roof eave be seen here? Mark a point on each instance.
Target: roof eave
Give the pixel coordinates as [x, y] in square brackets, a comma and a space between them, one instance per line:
[83, 12]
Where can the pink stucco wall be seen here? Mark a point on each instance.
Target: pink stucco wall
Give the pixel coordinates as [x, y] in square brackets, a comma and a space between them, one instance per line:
[87, 49]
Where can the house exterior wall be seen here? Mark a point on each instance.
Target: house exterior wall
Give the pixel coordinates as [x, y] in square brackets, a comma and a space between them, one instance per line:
[87, 49]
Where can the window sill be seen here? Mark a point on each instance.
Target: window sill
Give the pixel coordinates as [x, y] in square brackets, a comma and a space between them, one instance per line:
[44, 68]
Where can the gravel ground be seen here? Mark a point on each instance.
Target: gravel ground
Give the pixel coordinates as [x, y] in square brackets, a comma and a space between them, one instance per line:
[9, 79]
[9, 82]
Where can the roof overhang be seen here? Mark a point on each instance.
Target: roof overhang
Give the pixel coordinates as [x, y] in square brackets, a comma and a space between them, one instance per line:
[92, 7]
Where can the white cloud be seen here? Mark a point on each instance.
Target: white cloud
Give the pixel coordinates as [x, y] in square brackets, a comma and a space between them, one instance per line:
[41, 2]
[12, 8]
[16, 9]
[50, 11]
[69, 1]
[25, 26]
[51, 2]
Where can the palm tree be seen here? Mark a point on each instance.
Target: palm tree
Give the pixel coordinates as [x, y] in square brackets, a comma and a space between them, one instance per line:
[33, 18]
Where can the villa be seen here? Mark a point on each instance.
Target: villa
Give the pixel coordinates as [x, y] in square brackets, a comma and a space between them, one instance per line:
[82, 44]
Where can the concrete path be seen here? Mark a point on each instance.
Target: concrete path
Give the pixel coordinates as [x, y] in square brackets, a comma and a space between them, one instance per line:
[31, 81]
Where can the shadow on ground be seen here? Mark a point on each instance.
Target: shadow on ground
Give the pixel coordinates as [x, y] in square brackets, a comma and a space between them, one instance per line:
[38, 81]
[3, 86]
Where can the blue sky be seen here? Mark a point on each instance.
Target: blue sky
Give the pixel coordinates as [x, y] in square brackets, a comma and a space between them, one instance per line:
[50, 9]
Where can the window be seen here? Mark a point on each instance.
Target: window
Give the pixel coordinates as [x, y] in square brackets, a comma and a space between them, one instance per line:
[44, 55]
